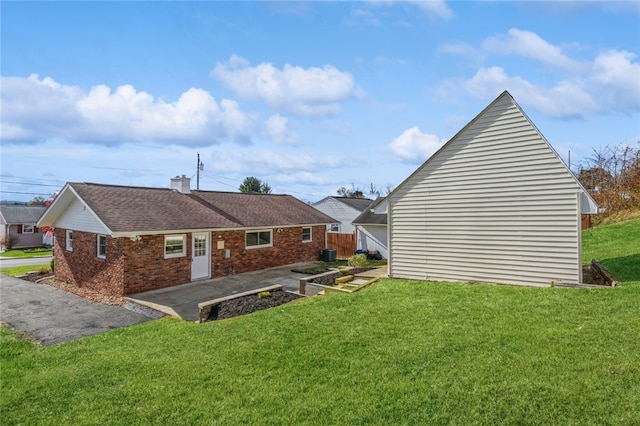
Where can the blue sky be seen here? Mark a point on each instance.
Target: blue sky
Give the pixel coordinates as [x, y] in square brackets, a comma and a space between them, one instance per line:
[306, 96]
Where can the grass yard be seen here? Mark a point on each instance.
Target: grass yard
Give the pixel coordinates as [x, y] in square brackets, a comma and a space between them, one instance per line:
[17, 271]
[399, 352]
[26, 253]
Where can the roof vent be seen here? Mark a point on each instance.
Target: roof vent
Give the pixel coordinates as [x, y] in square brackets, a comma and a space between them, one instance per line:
[181, 184]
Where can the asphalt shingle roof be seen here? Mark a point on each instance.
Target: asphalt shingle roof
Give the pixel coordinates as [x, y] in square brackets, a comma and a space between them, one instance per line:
[254, 210]
[21, 214]
[132, 209]
[137, 209]
[368, 217]
[359, 204]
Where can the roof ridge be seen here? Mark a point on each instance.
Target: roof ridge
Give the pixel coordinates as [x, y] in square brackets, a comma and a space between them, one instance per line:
[119, 186]
[239, 193]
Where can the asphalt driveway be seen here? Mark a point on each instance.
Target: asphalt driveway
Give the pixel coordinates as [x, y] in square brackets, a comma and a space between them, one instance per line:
[53, 316]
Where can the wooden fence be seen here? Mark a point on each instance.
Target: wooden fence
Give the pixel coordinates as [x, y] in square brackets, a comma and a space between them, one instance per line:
[344, 244]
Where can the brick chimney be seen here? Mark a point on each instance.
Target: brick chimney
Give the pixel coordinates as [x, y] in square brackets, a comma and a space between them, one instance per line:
[181, 184]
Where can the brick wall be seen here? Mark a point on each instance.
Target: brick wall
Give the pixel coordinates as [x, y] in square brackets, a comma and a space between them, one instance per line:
[137, 266]
[146, 268]
[83, 268]
[287, 248]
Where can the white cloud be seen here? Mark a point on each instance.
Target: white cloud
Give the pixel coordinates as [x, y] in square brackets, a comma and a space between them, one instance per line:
[565, 99]
[250, 160]
[414, 146]
[359, 14]
[431, 8]
[617, 78]
[532, 46]
[304, 91]
[275, 129]
[608, 82]
[436, 8]
[37, 109]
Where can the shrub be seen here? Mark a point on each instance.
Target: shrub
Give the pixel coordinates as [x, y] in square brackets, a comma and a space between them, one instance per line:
[264, 294]
[6, 241]
[358, 261]
[51, 265]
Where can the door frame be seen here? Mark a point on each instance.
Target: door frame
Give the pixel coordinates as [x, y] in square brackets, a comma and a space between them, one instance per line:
[207, 255]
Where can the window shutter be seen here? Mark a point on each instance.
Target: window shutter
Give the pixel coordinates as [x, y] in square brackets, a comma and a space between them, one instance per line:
[35, 229]
[19, 229]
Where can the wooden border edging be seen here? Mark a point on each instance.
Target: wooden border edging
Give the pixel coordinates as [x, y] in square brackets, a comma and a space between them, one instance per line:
[599, 269]
[204, 308]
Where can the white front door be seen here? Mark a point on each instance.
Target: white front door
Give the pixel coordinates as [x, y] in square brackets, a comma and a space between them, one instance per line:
[200, 256]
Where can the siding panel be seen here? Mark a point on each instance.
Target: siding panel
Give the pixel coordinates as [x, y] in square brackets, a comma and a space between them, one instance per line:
[496, 204]
[79, 218]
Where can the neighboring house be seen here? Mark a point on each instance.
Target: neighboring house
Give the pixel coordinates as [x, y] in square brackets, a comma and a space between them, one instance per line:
[344, 209]
[371, 230]
[123, 240]
[494, 204]
[19, 223]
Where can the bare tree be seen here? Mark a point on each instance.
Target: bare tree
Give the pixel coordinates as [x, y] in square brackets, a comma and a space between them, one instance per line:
[612, 176]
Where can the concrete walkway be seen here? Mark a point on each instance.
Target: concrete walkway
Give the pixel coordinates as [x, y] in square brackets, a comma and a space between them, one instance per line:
[53, 316]
[182, 301]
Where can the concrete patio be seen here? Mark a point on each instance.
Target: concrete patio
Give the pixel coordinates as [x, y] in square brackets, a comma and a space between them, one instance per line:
[182, 301]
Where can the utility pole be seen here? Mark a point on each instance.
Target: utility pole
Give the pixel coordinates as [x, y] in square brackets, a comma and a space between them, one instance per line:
[199, 168]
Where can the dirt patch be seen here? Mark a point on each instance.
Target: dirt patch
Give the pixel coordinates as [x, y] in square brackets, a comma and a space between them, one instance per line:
[251, 303]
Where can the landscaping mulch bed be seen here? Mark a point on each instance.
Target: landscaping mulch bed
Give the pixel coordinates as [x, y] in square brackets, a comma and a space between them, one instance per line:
[330, 279]
[251, 303]
[47, 278]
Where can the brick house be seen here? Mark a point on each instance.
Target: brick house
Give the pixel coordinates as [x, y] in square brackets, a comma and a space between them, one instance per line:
[123, 240]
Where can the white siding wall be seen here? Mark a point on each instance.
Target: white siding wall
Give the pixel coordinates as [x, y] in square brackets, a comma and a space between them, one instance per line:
[373, 237]
[495, 205]
[339, 211]
[79, 218]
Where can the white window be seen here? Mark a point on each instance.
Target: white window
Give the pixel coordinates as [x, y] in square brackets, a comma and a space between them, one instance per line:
[255, 239]
[175, 246]
[102, 246]
[69, 240]
[334, 227]
[306, 234]
[27, 229]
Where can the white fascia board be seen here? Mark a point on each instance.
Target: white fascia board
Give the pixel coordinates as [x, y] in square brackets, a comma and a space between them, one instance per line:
[128, 234]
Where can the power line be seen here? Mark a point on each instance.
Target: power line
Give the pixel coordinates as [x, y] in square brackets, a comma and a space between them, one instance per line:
[30, 184]
[24, 193]
[216, 178]
[30, 178]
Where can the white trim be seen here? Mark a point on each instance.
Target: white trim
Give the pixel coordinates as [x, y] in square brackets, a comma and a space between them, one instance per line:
[270, 231]
[310, 234]
[207, 257]
[184, 246]
[68, 238]
[104, 255]
[192, 230]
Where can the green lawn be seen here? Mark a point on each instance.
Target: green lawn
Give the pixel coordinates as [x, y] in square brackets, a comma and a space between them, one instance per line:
[16, 271]
[26, 254]
[399, 352]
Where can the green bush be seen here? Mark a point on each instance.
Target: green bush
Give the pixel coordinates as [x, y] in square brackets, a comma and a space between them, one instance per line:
[6, 241]
[358, 261]
[51, 265]
[264, 294]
